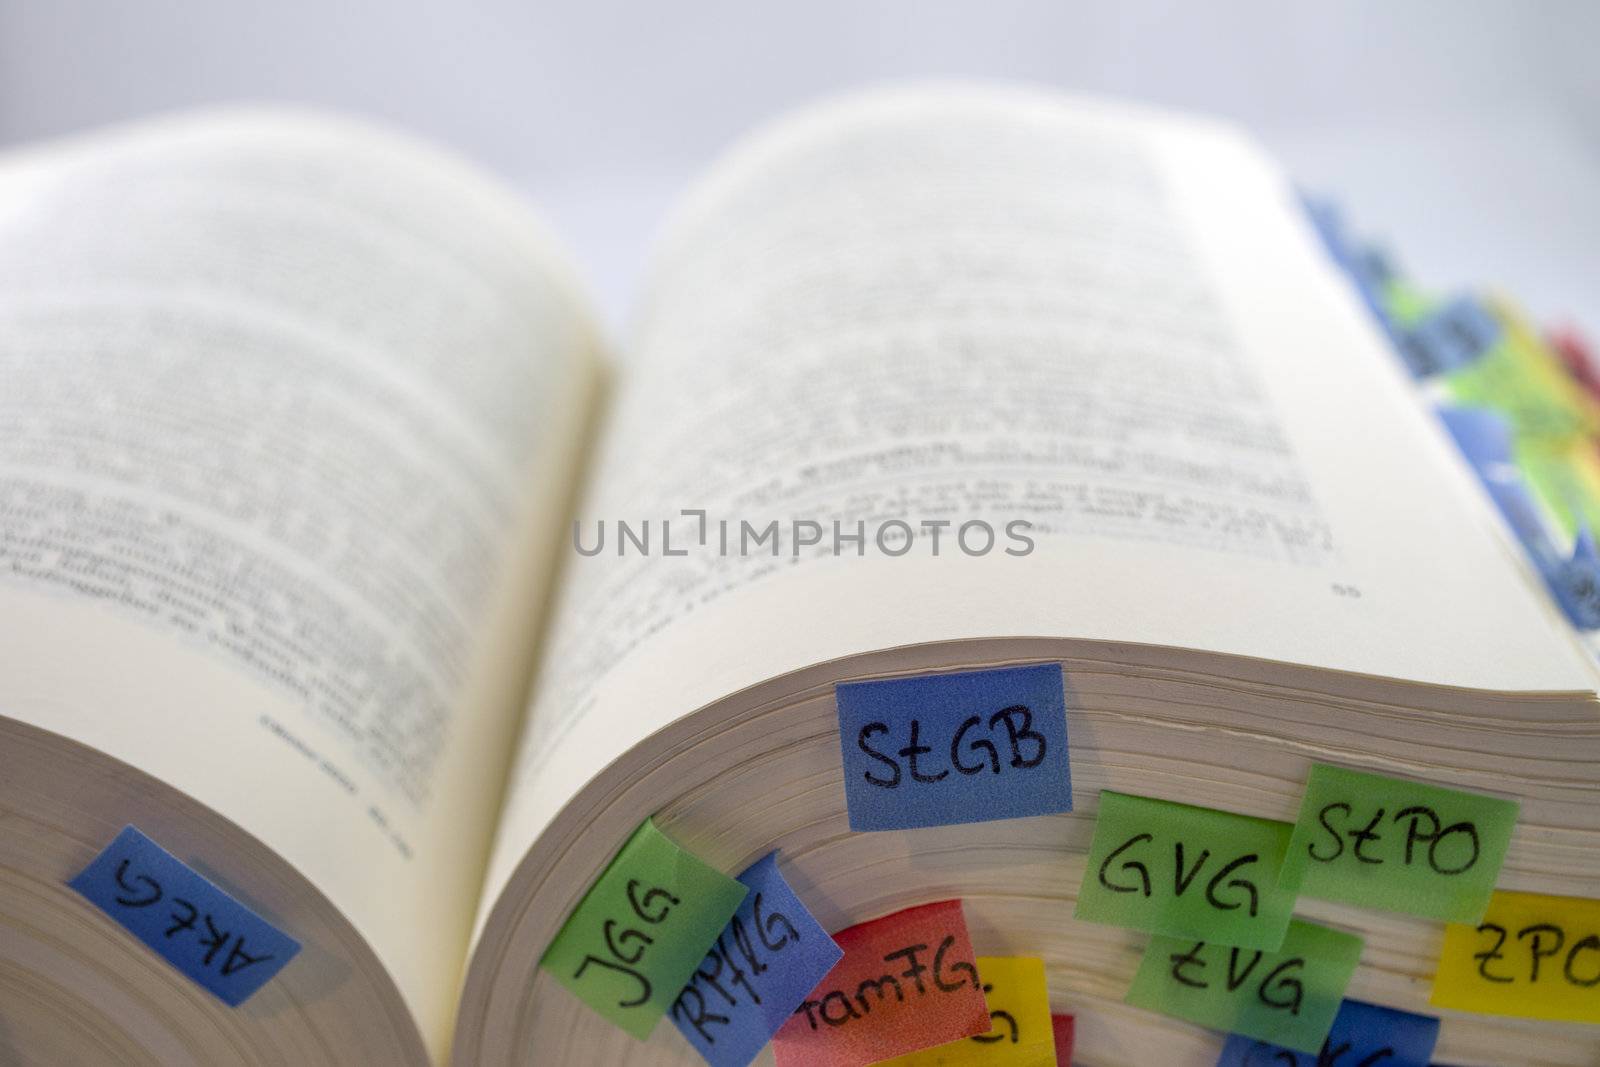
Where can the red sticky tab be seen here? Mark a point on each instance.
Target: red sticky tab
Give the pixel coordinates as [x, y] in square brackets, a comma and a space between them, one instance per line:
[907, 981]
[1061, 1026]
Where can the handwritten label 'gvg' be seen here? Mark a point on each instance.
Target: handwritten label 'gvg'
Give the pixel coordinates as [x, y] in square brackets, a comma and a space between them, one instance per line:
[1185, 871]
[1020, 1033]
[637, 936]
[907, 981]
[191, 923]
[771, 955]
[940, 749]
[1288, 997]
[1404, 846]
[1533, 956]
[1363, 1035]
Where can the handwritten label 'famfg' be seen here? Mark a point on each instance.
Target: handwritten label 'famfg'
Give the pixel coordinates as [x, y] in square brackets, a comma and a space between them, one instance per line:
[1021, 1030]
[1533, 956]
[940, 749]
[907, 981]
[1186, 871]
[770, 955]
[637, 936]
[219, 943]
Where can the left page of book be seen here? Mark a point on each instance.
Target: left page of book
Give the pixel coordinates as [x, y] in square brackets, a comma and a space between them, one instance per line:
[289, 413]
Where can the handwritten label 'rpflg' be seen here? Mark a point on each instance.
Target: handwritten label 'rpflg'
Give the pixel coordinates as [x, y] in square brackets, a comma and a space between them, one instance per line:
[1288, 997]
[1533, 956]
[1188, 872]
[907, 981]
[770, 955]
[1363, 1035]
[940, 749]
[186, 919]
[637, 936]
[1019, 1033]
[1388, 843]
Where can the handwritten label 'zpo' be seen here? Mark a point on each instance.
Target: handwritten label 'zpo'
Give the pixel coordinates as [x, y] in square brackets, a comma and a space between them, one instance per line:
[637, 936]
[1532, 956]
[1388, 843]
[907, 981]
[1288, 997]
[940, 749]
[212, 938]
[1186, 871]
[771, 955]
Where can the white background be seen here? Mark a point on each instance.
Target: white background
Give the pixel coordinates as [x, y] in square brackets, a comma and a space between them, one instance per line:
[1466, 133]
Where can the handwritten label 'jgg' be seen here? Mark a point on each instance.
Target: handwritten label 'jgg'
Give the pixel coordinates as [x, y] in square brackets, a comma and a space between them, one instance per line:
[1533, 956]
[637, 936]
[940, 749]
[907, 981]
[1405, 846]
[771, 955]
[190, 922]
[1186, 871]
[1288, 997]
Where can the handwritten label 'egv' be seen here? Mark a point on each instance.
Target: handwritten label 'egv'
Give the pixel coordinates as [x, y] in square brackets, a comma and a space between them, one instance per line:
[1533, 956]
[1288, 997]
[216, 941]
[907, 981]
[1020, 1032]
[637, 936]
[940, 749]
[1188, 872]
[771, 955]
[1363, 1035]
[1404, 846]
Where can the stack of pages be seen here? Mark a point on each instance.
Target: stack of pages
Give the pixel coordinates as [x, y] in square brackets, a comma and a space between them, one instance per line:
[337, 559]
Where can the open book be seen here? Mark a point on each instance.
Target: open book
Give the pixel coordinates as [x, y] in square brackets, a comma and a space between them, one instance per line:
[336, 556]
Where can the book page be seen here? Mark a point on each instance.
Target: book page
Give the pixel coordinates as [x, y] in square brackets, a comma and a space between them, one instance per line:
[950, 364]
[290, 413]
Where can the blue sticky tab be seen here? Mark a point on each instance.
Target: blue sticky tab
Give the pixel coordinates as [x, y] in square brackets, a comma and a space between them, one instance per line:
[218, 942]
[1362, 1033]
[951, 748]
[1452, 337]
[1482, 434]
[769, 956]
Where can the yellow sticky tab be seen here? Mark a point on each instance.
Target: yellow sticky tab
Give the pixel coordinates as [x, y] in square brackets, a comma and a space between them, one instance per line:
[1532, 956]
[1020, 1034]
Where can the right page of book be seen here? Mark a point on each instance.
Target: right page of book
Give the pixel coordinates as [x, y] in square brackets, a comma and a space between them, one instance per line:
[995, 365]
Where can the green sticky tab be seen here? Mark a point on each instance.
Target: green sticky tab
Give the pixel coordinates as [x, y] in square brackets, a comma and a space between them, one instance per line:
[1403, 846]
[1288, 997]
[637, 936]
[1526, 382]
[1186, 871]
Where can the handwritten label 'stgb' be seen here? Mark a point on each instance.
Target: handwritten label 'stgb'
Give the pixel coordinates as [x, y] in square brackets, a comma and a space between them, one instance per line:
[907, 981]
[1019, 1034]
[770, 955]
[190, 922]
[1288, 997]
[1188, 872]
[1363, 1035]
[637, 936]
[1532, 956]
[941, 749]
[1403, 846]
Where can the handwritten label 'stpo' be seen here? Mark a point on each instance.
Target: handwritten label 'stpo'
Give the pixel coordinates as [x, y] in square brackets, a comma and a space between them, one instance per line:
[907, 981]
[1382, 842]
[189, 921]
[770, 955]
[940, 749]
[637, 936]
[1187, 872]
